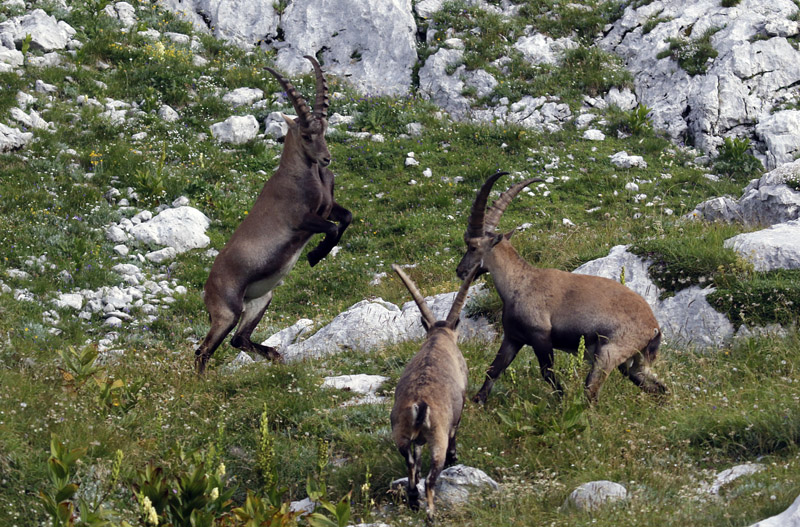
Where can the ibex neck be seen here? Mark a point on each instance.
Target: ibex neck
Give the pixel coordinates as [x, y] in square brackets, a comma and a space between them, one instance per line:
[506, 266]
[293, 161]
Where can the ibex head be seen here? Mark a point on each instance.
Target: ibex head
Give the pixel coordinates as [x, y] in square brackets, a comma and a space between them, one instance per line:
[307, 131]
[481, 236]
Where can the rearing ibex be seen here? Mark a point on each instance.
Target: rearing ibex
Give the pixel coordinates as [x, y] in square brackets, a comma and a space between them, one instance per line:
[548, 308]
[430, 395]
[294, 204]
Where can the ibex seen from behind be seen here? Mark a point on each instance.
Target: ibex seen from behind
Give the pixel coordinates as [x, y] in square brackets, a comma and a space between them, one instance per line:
[430, 395]
[294, 204]
[549, 308]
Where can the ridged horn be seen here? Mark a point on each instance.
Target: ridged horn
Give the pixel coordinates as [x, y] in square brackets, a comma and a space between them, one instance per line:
[322, 102]
[499, 206]
[300, 105]
[475, 225]
[461, 298]
[427, 314]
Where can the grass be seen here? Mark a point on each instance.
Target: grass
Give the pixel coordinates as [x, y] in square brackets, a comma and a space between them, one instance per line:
[727, 406]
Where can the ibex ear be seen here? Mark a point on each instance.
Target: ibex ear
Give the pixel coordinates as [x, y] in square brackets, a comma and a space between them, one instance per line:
[509, 234]
[497, 238]
[288, 119]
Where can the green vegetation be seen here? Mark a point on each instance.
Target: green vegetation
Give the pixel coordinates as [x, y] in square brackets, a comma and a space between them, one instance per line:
[695, 55]
[735, 161]
[97, 432]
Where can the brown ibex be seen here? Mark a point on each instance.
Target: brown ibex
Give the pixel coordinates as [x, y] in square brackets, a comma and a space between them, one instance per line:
[294, 204]
[549, 308]
[430, 395]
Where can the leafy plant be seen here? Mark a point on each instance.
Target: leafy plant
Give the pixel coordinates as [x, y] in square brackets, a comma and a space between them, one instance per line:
[694, 56]
[652, 22]
[734, 160]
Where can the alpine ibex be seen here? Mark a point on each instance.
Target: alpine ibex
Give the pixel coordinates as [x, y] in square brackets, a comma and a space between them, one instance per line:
[548, 308]
[430, 395]
[294, 204]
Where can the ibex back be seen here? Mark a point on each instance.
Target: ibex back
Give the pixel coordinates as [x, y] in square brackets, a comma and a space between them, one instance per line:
[294, 204]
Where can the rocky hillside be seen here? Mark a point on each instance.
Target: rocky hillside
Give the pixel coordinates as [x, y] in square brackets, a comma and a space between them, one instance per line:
[134, 137]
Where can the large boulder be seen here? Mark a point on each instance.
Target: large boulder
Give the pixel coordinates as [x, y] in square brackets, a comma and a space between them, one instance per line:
[372, 44]
[182, 228]
[788, 518]
[236, 129]
[777, 247]
[13, 138]
[765, 201]
[372, 324]
[46, 32]
[755, 72]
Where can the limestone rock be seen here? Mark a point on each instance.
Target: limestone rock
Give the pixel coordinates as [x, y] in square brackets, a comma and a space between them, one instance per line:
[593, 495]
[13, 138]
[788, 518]
[777, 247]
[733, 473]
[236, 129]
[541, 49]
[122, 11]
[181, 228]
[47, 33]
[243, 96]
[454, 486]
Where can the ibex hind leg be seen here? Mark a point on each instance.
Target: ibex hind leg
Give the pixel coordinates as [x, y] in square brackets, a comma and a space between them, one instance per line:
[222, 322]
[639, 373]
[254, 309]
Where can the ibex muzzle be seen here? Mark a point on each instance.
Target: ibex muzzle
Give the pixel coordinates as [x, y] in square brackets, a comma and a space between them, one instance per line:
[549, 308]
[295, 204]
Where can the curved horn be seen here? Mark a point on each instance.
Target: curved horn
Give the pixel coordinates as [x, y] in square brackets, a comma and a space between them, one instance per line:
[499, 206]
[322, 103]
[416, 295]
[475, 226]
[461, 298]
[300, 105]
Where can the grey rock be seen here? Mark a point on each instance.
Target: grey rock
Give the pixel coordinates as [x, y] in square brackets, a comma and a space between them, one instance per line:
[161, 255]
[625, 100]
[780, 133]
[777, 247]
[454, 486]
[636, 272]
[443, 89]
[788, 518]
[243, 96]
[182, 228]
[687, 318]
[178, 38]
[729, 475]
[290, 335]
[372, 44]
[71, 300]
[276, 126]
[47, 33]
[237, 129]
[30, 120]
[43, 87]
[748, 80]
[113, 322]
[223, 18]
[541, 49]
[594, 135]
[359, 383]
[623, 160]
[168, 114]
[11, 57]
[116, 234]
[13, 138]
[122, 11]
[595, 494]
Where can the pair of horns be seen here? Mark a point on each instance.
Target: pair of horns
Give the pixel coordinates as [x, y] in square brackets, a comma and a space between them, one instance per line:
[321, 103]
[482, 220]
[427, 314]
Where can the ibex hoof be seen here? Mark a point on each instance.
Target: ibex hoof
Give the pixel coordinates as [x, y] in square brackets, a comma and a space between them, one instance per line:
[479, 399]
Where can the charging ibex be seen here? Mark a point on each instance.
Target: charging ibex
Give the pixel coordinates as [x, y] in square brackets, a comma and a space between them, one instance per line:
[430, 395]
[294, 204]
[548, 308]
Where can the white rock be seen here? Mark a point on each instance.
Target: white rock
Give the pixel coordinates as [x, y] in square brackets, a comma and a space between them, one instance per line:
[13, 138]
[541, 49]
[427, 172]
[788, 518]
[276, 126]
[72, 300]
[594, 135]
[411, 162]
[625, 100]
[777, 247]
[733, 473]
[290, 335]
[360, 383]
[236, 129]
[113, 322]
[454, 485]
[182, 228]
[168, 114]
[593, 495]
[623, 160]
[122, 11]
[243, 96]
[161, 255]
[47, 33]
[780, 132]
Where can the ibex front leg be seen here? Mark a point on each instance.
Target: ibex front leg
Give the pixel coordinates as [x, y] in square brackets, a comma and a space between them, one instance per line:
[343, 217]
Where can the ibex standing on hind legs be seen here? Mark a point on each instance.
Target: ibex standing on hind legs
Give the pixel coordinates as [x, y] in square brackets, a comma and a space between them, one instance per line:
[549, 308]
[294, 204]
[430, 395]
